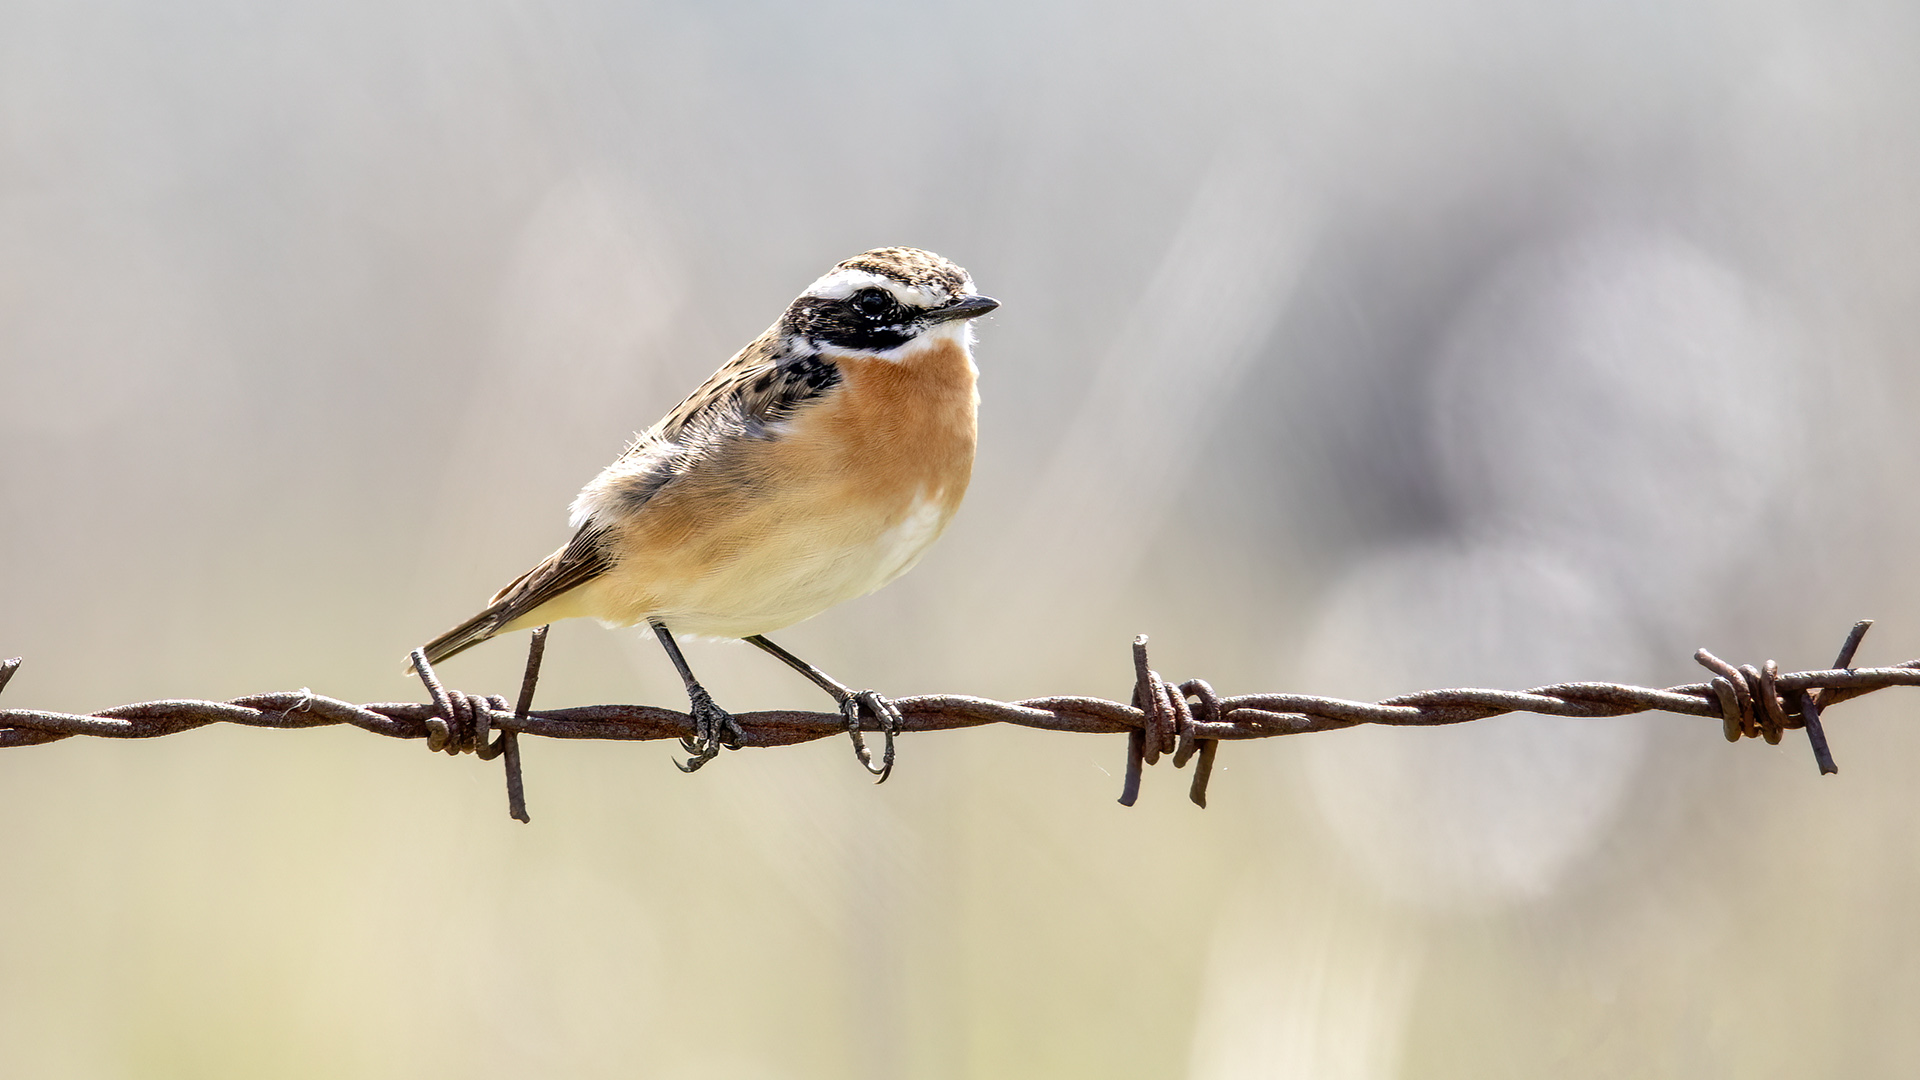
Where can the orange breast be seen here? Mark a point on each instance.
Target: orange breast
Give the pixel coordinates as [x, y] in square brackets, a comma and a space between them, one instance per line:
[901, 429]
[772, 530]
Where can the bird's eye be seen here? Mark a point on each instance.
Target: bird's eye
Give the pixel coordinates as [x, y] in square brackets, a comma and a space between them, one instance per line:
[872, 302]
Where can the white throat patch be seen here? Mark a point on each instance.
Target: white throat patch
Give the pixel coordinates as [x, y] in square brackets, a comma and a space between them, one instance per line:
[958, 331]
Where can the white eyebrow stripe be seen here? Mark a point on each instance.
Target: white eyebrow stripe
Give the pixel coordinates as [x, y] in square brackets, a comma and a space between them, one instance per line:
[840, 284]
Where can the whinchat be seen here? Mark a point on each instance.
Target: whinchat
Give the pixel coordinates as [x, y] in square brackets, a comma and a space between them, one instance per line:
[815, 466]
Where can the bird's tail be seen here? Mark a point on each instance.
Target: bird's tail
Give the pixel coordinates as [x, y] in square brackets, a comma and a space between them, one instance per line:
[465, 636]
[540, 592]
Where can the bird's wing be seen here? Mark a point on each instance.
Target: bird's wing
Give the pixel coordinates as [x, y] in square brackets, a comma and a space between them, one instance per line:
[745, 399]
[743, 402]
[756, 389]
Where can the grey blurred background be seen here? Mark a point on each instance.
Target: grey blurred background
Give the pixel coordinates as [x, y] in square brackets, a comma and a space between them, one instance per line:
[1347, 348]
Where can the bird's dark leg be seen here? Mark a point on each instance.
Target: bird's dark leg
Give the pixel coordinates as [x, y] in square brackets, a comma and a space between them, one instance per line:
[851, 702]
[713, 727]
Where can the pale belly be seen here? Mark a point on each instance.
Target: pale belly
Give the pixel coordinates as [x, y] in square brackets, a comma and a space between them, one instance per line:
[780, 579]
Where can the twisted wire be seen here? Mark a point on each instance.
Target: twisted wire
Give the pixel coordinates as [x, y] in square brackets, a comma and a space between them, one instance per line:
[1185, 721]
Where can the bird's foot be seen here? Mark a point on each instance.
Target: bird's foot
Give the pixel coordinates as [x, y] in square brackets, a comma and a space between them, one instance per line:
[870, 703]
[713, 728]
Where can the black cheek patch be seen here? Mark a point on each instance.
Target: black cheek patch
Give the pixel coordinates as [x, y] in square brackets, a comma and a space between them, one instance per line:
[867, 338]
[834, 322]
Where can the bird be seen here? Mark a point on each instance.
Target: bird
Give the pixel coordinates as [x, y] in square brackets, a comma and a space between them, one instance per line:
[815, 466]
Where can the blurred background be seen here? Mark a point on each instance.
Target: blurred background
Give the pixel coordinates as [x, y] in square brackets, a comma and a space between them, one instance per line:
[1347, 348]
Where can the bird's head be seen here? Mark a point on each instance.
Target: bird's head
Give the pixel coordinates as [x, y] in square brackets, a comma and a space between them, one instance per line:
[886, 301]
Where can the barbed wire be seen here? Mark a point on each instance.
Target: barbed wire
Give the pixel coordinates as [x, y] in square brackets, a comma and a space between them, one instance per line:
[1186, 721]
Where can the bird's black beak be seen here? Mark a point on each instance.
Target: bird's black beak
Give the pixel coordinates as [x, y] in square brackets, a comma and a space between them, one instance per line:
[964, 307]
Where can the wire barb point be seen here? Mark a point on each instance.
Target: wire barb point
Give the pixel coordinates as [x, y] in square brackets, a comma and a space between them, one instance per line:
[1167, 726]
[463, 723]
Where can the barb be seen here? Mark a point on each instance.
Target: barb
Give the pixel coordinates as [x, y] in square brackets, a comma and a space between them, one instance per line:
[1185, 720]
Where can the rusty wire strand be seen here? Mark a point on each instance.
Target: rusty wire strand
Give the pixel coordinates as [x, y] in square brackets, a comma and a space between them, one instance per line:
[1750, 702]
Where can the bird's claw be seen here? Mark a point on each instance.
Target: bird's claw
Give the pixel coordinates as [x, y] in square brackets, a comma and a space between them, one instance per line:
[887, 714]
[713, 729]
